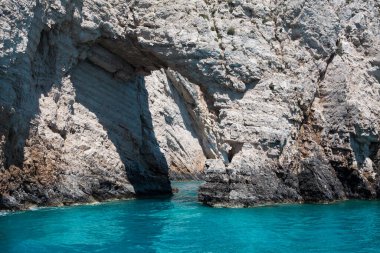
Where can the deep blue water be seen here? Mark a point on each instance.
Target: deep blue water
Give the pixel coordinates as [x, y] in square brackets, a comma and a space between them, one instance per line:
[180, 224]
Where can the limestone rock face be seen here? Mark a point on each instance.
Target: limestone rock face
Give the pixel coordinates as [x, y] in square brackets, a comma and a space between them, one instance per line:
[268, 101]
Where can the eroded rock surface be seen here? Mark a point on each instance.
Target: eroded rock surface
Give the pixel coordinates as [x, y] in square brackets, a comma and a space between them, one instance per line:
[278, 101]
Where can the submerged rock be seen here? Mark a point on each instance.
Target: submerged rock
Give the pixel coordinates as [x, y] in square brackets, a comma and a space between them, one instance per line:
[279, 100]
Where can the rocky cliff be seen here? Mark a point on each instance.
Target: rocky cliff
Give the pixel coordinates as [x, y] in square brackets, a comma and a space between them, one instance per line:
[269, 101]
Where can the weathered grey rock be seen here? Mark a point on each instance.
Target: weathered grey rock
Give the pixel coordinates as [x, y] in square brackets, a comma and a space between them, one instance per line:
[109, 99]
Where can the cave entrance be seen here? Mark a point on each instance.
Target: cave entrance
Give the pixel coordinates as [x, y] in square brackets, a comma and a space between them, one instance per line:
[146, 113]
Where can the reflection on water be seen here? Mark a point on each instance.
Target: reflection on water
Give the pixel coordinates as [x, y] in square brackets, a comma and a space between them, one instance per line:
[180, 224]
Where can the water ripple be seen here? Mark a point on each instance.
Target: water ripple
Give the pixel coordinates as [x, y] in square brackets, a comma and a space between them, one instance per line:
[181, 224]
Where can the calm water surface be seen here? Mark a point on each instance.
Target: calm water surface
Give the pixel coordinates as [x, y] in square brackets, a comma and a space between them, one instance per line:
[180, 224]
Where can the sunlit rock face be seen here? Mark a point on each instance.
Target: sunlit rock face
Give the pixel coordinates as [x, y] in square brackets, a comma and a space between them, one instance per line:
[268, 101]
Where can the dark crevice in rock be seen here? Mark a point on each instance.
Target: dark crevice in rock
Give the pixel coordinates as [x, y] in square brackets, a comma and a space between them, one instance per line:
[135, 21]
[306, 108]
[363, 148]
[318, 182]
[14, 154]
[322, 74]
[130, 50]
[353, 183]
[235, 149]
[55, 129]
[111, 63]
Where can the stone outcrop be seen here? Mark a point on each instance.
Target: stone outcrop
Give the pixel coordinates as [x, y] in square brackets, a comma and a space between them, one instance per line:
[268, 101]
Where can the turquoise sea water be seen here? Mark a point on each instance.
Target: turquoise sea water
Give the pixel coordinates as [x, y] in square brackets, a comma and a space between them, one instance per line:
[180, 224]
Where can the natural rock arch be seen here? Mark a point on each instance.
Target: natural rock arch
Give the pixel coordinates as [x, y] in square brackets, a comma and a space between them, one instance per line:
[279, 106]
